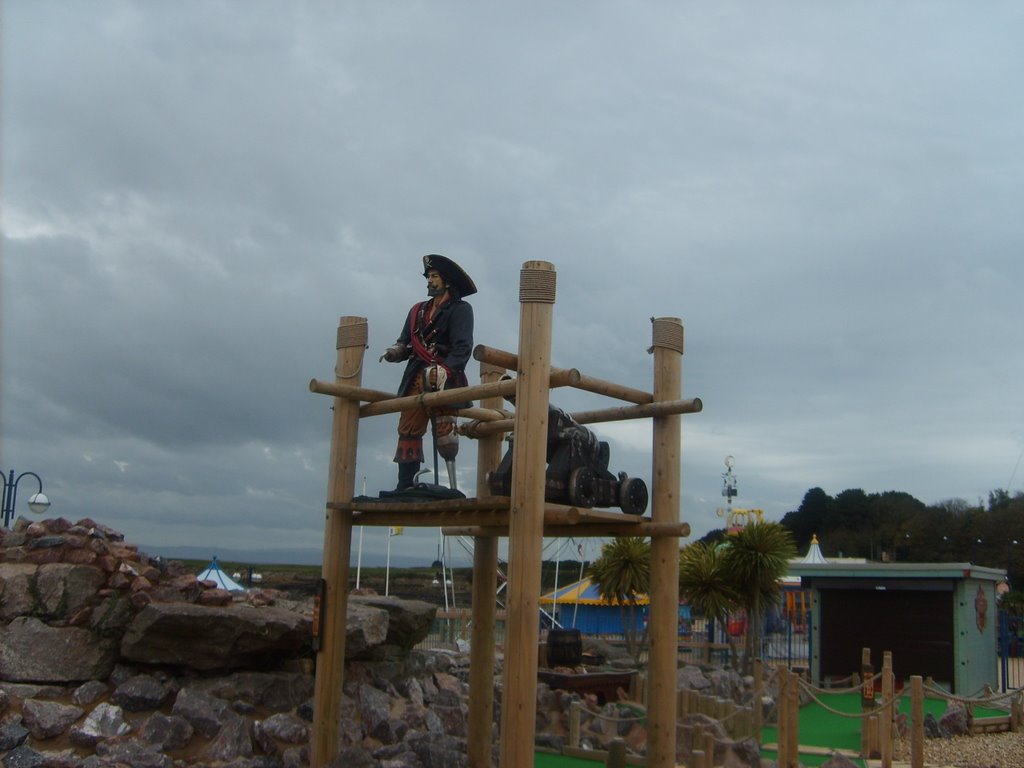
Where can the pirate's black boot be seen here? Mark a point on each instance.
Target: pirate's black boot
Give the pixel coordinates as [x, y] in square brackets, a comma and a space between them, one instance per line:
[407, 474]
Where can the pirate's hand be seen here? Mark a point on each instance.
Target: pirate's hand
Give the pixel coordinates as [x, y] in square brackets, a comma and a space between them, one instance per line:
[396, 353]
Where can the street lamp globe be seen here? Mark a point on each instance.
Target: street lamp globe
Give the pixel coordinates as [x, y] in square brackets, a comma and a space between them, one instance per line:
[38, 503]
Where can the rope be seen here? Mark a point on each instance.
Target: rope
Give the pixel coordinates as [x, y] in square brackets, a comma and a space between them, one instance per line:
[941, 694]
[878, 708]
[851, 689]
[537, 286]
[612, 718]
[351, 336]
[667, 333]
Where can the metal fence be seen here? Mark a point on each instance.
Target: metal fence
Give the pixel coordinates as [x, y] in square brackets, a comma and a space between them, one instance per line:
[1011, 650]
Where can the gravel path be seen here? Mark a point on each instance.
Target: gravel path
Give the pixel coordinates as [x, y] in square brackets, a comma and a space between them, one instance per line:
[992, 750]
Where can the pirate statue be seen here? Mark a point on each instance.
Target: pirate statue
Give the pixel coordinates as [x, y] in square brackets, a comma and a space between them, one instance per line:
[437, 341]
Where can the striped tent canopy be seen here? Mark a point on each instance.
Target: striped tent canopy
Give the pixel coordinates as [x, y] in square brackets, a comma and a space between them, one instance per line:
[583, 592]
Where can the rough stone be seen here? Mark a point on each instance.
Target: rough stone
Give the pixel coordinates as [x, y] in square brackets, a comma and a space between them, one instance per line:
[409, 621]
[141, 693]
[64, 588]
[232, 637]
[12, 734]
[285, 727]
[24, 757]
[203, 712]
[166, 732]
[365, 628]
[955, 721]
[89, 692]
[104, 722]
[33, 651]
[233, 740]
[837, 760]
[132, 753]
[16, 593]
[46, 719]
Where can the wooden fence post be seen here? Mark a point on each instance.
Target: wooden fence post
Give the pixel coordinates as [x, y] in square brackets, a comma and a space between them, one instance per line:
[663, 624]
[917, 722]
[782, 708]
[526, 516]
[485, 585]
[885, 733]
[330, 658]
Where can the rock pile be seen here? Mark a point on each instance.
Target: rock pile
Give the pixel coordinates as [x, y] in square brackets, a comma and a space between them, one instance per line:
[111, 658]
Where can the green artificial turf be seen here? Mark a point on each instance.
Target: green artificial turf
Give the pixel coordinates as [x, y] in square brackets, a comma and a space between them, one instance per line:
[818, 728]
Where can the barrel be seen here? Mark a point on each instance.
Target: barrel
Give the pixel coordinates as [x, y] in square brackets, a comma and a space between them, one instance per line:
[565, 648]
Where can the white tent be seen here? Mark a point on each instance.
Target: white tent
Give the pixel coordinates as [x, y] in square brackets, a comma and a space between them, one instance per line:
[814, 552]
[213, 572]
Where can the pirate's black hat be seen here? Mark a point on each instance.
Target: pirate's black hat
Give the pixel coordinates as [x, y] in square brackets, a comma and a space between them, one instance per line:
[452, 273]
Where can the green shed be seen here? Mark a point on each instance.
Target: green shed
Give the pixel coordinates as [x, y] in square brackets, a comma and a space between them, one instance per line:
[938, 619]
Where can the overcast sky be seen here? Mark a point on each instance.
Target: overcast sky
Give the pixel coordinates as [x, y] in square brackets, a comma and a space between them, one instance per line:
[828, 194]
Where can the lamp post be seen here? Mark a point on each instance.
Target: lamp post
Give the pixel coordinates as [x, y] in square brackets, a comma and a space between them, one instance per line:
[37, 502]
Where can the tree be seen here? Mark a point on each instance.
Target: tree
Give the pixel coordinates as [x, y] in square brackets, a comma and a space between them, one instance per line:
[704, 583]
[755, 561]
[622, 573]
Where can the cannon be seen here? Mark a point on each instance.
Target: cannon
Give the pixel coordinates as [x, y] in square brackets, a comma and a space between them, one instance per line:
[577, 471]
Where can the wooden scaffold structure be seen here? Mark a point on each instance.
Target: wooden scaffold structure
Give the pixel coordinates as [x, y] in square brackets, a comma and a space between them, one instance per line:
[524, 517]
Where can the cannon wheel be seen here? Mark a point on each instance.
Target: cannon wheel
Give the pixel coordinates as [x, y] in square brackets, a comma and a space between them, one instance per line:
[633, 496]
[581, 487]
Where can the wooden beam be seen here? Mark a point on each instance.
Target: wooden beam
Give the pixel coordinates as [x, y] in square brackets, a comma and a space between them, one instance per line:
[583, 530]
[619, 413]
[510, 362]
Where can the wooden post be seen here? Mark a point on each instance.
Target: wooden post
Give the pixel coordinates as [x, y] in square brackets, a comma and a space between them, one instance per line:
[782, 708]
[330, 659]
[757, 719]
[793, 694]
[485, 585]
[575, 713]
[664, 608]
[616, 754]
[867, 699]
[916, 722]
[526, 516]
[885, 731]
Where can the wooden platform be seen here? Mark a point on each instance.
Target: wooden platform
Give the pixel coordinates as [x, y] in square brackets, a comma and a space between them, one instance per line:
[490, 516]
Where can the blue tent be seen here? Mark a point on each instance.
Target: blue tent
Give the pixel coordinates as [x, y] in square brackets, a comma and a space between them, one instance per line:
[580, 606]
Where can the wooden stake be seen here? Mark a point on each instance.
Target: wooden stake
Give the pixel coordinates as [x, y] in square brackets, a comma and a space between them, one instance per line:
[485, 586]
[885, 731]
[526, 524]
[782, 707]
[663, 623]
[916, 722]
[330, 660]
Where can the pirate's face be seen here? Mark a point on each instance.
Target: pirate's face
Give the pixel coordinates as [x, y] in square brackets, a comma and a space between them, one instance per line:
[436, 285]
